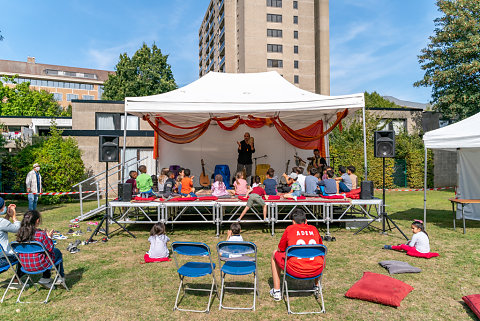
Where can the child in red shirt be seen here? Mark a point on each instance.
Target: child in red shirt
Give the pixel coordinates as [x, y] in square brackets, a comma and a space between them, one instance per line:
[296, 234]
[255, 197]
[187, 185]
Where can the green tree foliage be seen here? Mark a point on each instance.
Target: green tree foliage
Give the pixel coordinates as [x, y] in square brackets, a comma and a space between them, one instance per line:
[60, 162]
[146, 73]
[21, 100]
[452, 59]
[375, 100]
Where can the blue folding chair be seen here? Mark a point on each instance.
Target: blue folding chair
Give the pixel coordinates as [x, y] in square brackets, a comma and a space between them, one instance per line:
[4, 268]
[239, 258]
[304, 252]
[34, 247]
[193, 269]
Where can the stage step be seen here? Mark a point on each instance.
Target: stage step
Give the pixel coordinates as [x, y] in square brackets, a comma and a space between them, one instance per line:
[88, 214]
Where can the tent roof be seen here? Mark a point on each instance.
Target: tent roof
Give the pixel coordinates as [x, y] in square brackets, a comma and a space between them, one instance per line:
[464, 134]
[224, 94]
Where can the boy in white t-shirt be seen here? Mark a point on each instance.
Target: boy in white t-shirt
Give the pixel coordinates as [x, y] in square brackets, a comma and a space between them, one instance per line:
[233, 234]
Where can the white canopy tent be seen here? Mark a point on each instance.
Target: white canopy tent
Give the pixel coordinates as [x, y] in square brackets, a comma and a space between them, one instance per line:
[264, 94]
[464, 138]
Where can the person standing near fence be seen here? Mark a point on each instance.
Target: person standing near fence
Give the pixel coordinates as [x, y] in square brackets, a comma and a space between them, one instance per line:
[34, 186]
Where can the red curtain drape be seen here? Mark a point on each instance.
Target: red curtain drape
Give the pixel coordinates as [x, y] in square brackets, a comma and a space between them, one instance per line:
[310, 137]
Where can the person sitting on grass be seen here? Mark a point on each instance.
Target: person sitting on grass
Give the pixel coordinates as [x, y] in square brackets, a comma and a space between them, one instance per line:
[187, 189]
[255, 197]
[144, 183]
[420, 243]
[296, 190]
[233, 234]
[297, 233]
[158, 251]
[218, 187]
[29, 231]
[240, 184]
[133, 180]
[328, 186]
[270, 183]
[351, 172]
[344, 181]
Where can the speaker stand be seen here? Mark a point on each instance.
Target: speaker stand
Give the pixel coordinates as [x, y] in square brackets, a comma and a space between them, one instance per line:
[106, 217]
[386, 220]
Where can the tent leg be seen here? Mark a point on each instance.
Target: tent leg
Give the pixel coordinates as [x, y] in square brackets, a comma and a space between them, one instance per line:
[364, 143]
[425, 190]
[124, 141]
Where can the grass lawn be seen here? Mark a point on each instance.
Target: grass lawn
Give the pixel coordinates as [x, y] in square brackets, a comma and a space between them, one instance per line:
[107, 281]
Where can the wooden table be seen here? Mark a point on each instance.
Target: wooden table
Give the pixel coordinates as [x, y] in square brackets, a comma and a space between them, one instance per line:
[456, 201]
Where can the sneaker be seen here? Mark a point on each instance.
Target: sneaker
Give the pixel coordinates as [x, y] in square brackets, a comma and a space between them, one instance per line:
[266, 220]
[387, 247]
[46, 283]
[60, 281]
[276, 294]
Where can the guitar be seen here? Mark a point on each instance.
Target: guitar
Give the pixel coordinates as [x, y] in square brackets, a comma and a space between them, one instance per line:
[204, 180]
[282, 179]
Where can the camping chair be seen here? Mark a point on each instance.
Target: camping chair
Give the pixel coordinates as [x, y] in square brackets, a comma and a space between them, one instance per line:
[4, 268]
[237, 261]
[304, 252]
[34, 247]
[193, 269]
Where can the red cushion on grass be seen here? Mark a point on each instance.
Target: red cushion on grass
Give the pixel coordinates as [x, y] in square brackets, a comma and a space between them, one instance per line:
[182, 199]
[273, 197]
[379, 288]
[428, 255]
[473, 302]
[149, 199]
[208, 198]
[332, 197]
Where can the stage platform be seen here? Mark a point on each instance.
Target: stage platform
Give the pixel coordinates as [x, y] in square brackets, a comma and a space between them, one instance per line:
[226, 211]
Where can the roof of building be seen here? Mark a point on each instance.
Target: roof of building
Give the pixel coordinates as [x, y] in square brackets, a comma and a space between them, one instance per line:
[406, 103]
[32, 68]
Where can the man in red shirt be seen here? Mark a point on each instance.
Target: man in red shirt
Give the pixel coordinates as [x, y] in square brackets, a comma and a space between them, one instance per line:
[296, 234]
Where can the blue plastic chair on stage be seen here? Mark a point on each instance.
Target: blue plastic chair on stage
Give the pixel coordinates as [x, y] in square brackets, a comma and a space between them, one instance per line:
[304, 252]
[35, 247]
[239, 258]
[193, 269]
[223, 170]
[3, 268]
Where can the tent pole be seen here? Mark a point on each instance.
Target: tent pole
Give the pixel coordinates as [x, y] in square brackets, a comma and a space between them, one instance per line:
[365, 144]
[327, 141]
[425, 190]
[124, 140]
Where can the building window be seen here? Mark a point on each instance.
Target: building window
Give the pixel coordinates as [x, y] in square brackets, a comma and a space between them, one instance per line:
[295, 20]
[100, 91]
[295, 79]
[274, 17]
[110, 121]
[295, 64]
[71, 96]
[88, 97]
[295, 34]
[274, 3]
[274, 48]
[277, 33]
[274, 63]
[295, 4]
[58, 96]
[295, 49]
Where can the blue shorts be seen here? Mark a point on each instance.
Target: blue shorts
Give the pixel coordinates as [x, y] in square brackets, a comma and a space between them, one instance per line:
[297, 193]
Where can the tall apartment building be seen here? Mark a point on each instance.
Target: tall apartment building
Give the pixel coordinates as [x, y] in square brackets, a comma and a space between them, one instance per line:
[291, 37]
[66, 83]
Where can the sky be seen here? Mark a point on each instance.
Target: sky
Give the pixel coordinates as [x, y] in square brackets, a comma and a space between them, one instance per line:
[374, 44]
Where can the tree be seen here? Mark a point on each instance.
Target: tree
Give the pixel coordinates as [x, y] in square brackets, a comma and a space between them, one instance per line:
[452, 59]
[375, 100]
[146, 73]
[20, 100]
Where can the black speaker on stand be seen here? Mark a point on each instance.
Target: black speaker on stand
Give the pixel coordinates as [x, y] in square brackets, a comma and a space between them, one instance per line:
[108, 152]
[384, 147]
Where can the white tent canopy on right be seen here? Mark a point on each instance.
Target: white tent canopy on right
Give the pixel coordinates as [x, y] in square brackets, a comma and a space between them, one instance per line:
[464, 138]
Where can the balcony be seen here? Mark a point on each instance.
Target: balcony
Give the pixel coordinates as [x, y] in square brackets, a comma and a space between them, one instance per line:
[221, 33]
[222, 61]
[220, 19]
[222, 47]
[220, 5]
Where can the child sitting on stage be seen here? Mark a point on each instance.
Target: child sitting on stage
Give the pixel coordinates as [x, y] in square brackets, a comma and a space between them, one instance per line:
[351, 172]
[344, 181]
[158, 245]
[256, 181]
[296, 190]
[144, 183]
[132, 180]
[270, 183]
[169, 186]
[240, 184]
[162, 179]
[218, 187]
[328, 186]
[187, 189]
[255, 197]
